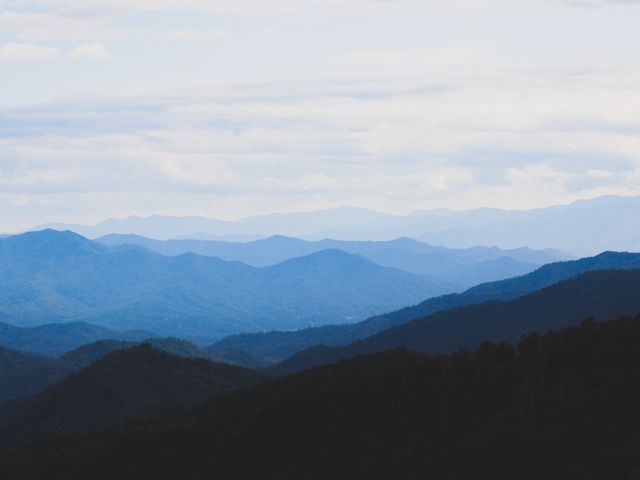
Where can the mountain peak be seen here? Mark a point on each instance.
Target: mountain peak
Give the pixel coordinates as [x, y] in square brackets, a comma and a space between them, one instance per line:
[51, 242]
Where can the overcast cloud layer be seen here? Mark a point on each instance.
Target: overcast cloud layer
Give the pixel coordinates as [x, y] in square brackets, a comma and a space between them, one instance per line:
[231, 108]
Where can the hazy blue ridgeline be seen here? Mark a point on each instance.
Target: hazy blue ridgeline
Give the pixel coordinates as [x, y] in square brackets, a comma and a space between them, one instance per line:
[585, 227]
[459, 267]
[279, 345]
[600, 294]
[51, 276]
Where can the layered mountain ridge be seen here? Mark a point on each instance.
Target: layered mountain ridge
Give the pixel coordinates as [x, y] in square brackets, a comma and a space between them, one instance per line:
[51, 276]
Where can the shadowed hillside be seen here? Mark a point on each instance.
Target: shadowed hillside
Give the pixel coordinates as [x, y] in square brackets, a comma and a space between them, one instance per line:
[602, 294]
[561, 406]
[280, 345]
[23, 374]
[134, 384]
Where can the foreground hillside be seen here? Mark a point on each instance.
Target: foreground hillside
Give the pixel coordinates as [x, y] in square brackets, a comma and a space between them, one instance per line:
[133, 384]
[51, 276]
[24, 374]
[561, 406]
[601, 294]
[280, 345]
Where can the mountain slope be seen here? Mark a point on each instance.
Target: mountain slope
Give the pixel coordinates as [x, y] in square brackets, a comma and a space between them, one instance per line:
[280, 345]
[51, 276]
[58, 338]
[462, 267]
[24, 374]
[601, 294]
[563, 406]
[134, 384]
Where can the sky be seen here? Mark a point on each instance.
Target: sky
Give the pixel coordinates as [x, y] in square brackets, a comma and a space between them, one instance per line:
[111, 108]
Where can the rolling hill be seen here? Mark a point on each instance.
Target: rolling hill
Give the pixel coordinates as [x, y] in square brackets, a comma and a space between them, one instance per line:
[54, 277]
[561, 406]
[24, 374]
[601, 294]
[278, 345]
[134, 384]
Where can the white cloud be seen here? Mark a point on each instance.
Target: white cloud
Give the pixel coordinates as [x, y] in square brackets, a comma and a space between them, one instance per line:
[382, 144]
[21, 201]
[46, 25]
[600, 174]
[196, 35]
[26, 52]
[357, 114]
[90, 51]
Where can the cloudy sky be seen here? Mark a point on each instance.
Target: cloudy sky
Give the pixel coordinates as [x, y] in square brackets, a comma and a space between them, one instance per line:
[226, 108]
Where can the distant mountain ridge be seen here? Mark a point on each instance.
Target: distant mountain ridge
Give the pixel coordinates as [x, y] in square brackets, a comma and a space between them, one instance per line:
[585, 227]
[279, 345]
[53, 277]
[460, 267]
[600, 294]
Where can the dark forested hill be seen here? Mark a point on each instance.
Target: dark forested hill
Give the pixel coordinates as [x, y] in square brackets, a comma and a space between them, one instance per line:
[23, 374]
[561, 406]
[461, 267]
[601, 294]
[280, 345]
[134, 384]
[51, 276]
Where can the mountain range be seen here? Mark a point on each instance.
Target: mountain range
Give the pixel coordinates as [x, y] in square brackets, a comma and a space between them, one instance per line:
[558, 406]
[585, 227]
[600, 294]
[278, 345]
[460, 267]
[53, 277]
